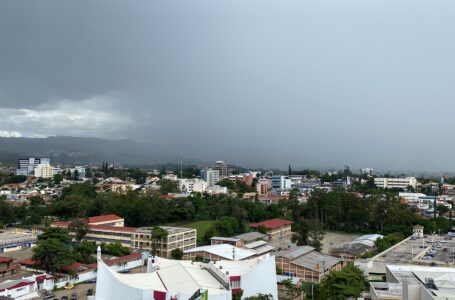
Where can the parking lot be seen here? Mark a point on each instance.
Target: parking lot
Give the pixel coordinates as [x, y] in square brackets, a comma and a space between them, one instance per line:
[80, 290]
[441, 250]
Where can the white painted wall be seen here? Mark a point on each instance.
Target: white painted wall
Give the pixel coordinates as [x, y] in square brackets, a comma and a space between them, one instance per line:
[261, 279]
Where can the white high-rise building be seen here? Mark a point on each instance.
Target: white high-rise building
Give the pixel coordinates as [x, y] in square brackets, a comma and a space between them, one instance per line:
[210, 176]
[281, 183]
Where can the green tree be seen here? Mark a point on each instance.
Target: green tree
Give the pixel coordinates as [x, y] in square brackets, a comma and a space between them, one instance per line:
[158, 235]
[53, 250]
[442, 210]
[58, 178]
[309, 232]
[36, 201]
[84, 252]
[347, 283]
[79, 227]
[115, 249]
[225, 227]
[168, 186]
[293, 290]
[260, 296]
[56, 233]
[177, 254]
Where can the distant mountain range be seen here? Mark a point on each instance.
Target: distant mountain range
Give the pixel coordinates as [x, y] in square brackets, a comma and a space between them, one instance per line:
[79, 150]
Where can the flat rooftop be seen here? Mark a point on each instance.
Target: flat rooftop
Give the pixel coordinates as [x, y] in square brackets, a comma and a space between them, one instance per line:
[12, 237]
[170, 229]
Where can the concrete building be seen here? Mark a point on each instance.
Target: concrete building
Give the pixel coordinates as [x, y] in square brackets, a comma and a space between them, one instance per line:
[111, 229]
[221, 167]
[411, 197]
[44, 171]
[79, 170]
[212, 177]
[188, 186]
[26, 166]
[218, 252]
[17, 239]
[409, 282]
[181, 280]
[395, 183]
[7, 266]
[275, 228]
[367, 171]
[281, 183]
[306, 263]
[417, 231]
[263, 186]
[178, 238]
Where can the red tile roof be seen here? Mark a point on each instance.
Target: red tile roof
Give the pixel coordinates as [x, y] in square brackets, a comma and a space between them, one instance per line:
[123, 259]
[19, 285]
[61, 224]
[104, 218]
[272, 224]
[5, 260]
[27, 262]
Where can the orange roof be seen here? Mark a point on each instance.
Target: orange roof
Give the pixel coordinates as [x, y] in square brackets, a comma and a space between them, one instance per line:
[104, 218]
[272, 224]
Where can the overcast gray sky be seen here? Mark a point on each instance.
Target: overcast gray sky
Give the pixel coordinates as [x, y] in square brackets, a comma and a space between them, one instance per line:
[314, 83]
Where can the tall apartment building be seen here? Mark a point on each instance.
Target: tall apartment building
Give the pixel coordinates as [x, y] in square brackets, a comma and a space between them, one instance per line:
[44, 171]
[26, 166]
[395, 183]
[367, 171]
[210, 176]
[281, 183]
[221, 167]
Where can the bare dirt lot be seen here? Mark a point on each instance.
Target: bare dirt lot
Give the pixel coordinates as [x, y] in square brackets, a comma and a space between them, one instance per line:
[336, 239]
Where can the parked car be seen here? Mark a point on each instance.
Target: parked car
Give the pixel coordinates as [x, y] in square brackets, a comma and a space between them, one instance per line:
[90, 281]
[89, 292]
[64, 298]
[48, 295]
[73, 296]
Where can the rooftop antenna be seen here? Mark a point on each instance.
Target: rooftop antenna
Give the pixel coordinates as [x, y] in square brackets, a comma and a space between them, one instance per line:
[181, 164]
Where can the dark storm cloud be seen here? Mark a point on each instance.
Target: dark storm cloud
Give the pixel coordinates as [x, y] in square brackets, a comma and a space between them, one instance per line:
[313, 83]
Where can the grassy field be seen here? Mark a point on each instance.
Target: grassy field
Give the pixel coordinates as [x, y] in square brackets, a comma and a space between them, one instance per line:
[201, 226]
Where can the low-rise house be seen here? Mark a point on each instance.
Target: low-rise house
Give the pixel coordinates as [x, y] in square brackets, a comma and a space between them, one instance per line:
[7, 266]
[274, 228]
